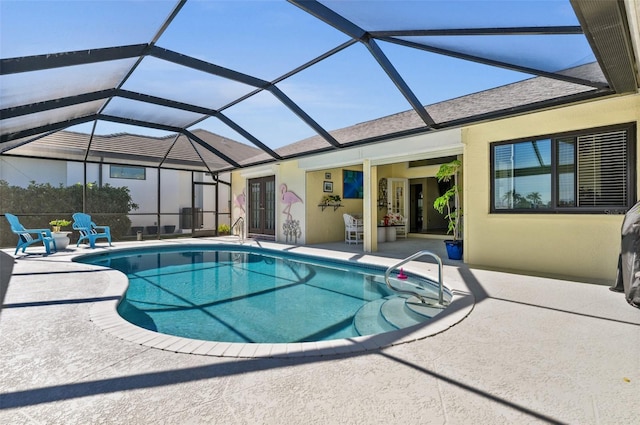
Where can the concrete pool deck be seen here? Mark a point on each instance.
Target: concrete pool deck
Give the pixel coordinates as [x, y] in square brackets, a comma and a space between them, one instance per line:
[527, 350]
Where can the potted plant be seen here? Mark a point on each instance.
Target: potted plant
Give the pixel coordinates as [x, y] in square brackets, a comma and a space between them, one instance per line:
[224, 229]
[56, 225]
[450, 200]
[61, 238]
[331, 199]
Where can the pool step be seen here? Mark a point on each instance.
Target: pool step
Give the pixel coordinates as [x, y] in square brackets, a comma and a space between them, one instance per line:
[414, 306]
[395, 312]
[368, 320]
[391, 313]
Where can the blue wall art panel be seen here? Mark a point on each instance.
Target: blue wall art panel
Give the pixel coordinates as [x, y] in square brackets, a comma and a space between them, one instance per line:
[353, 187]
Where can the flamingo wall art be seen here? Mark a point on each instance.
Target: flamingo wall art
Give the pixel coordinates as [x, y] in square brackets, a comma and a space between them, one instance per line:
[288, 198]
[240, 201]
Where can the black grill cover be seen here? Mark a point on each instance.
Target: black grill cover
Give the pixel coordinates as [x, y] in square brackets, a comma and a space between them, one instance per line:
[628, 278]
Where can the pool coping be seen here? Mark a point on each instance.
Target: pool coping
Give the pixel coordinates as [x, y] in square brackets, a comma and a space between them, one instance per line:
[104, 315]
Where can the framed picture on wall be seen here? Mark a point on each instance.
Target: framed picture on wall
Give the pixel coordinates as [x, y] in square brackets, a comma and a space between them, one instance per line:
[327, 187]
[327, 176]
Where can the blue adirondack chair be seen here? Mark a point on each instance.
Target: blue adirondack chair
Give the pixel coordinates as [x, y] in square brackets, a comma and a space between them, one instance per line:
[89, 231]
[27, 237]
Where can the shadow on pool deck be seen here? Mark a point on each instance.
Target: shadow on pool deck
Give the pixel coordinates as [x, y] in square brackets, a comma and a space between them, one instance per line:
[533, 350]
[400, 249]
[6, 267]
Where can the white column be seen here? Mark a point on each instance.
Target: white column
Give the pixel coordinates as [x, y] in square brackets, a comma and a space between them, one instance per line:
[370, 189]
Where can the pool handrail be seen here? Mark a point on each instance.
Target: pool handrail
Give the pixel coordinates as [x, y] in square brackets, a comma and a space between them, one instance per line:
[241, 228]
[387, 275]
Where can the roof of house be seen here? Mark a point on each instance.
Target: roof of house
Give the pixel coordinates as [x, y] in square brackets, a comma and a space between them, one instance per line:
[500, 101]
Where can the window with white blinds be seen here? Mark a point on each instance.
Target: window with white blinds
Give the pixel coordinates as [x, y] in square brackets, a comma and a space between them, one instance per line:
[590, 171]
[602, 169]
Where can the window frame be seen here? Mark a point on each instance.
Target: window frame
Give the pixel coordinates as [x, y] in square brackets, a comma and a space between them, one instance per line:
[631, 142]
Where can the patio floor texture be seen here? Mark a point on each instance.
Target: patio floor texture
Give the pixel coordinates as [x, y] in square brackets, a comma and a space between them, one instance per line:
[529, 350]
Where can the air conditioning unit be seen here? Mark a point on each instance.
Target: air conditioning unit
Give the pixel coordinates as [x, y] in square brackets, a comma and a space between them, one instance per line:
[189, 214]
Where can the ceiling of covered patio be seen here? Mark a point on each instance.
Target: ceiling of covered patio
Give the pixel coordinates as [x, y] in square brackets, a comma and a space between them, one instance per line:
[219, 85]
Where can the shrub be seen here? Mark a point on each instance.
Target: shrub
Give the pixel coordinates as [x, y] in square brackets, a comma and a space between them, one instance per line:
[224, 229]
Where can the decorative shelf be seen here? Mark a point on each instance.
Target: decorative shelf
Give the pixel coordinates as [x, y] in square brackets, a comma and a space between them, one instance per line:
[335, 206]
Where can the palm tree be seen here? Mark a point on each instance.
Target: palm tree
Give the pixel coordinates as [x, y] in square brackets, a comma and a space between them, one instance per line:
[535, 198]
[512, 198]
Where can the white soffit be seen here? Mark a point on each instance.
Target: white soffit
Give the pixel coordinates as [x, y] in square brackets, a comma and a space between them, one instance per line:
[421, 146]
[259, 171]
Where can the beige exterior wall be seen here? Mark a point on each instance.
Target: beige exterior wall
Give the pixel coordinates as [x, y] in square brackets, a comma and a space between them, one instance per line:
[286, 173]
[328, 225]
[322, 225]
[584, 246]
[293, 178]
[577, 245]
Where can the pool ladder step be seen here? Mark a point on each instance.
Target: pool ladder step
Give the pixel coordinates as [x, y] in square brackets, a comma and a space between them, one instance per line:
[392, 313]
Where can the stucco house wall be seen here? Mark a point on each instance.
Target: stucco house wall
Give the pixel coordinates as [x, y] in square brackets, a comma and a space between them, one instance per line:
[286, 173]
[22, 171]
[577, 245]
[327, 225]
[305, 177]
[584, 246]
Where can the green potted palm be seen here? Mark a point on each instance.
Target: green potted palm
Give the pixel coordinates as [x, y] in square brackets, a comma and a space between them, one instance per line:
[449, 204]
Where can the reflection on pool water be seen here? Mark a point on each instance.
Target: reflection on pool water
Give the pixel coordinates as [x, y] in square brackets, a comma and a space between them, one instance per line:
[247, 294]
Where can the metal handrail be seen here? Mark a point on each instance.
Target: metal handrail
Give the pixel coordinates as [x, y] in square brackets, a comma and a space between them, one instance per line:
[241, 228]
[410, 258]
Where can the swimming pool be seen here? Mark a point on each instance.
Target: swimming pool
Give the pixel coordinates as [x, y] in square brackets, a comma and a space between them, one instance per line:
[254, 295]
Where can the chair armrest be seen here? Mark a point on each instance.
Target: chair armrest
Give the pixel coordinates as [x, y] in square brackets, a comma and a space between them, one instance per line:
[48, 231]
[102, 227]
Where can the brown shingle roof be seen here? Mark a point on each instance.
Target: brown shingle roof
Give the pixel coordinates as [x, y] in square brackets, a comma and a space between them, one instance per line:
[505, 98]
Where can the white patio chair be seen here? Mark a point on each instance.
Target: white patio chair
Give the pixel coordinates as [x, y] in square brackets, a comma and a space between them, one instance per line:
[400, 224]
[353, 229]
[401, 227]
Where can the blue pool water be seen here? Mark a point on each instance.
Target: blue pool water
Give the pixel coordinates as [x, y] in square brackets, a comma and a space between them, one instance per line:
[245, 295]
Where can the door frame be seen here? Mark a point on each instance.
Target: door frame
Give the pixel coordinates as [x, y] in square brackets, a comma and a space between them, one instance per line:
[404, 208]
[266, 207]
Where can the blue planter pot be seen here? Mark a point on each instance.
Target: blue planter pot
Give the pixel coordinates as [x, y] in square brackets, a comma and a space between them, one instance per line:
[454, 249]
